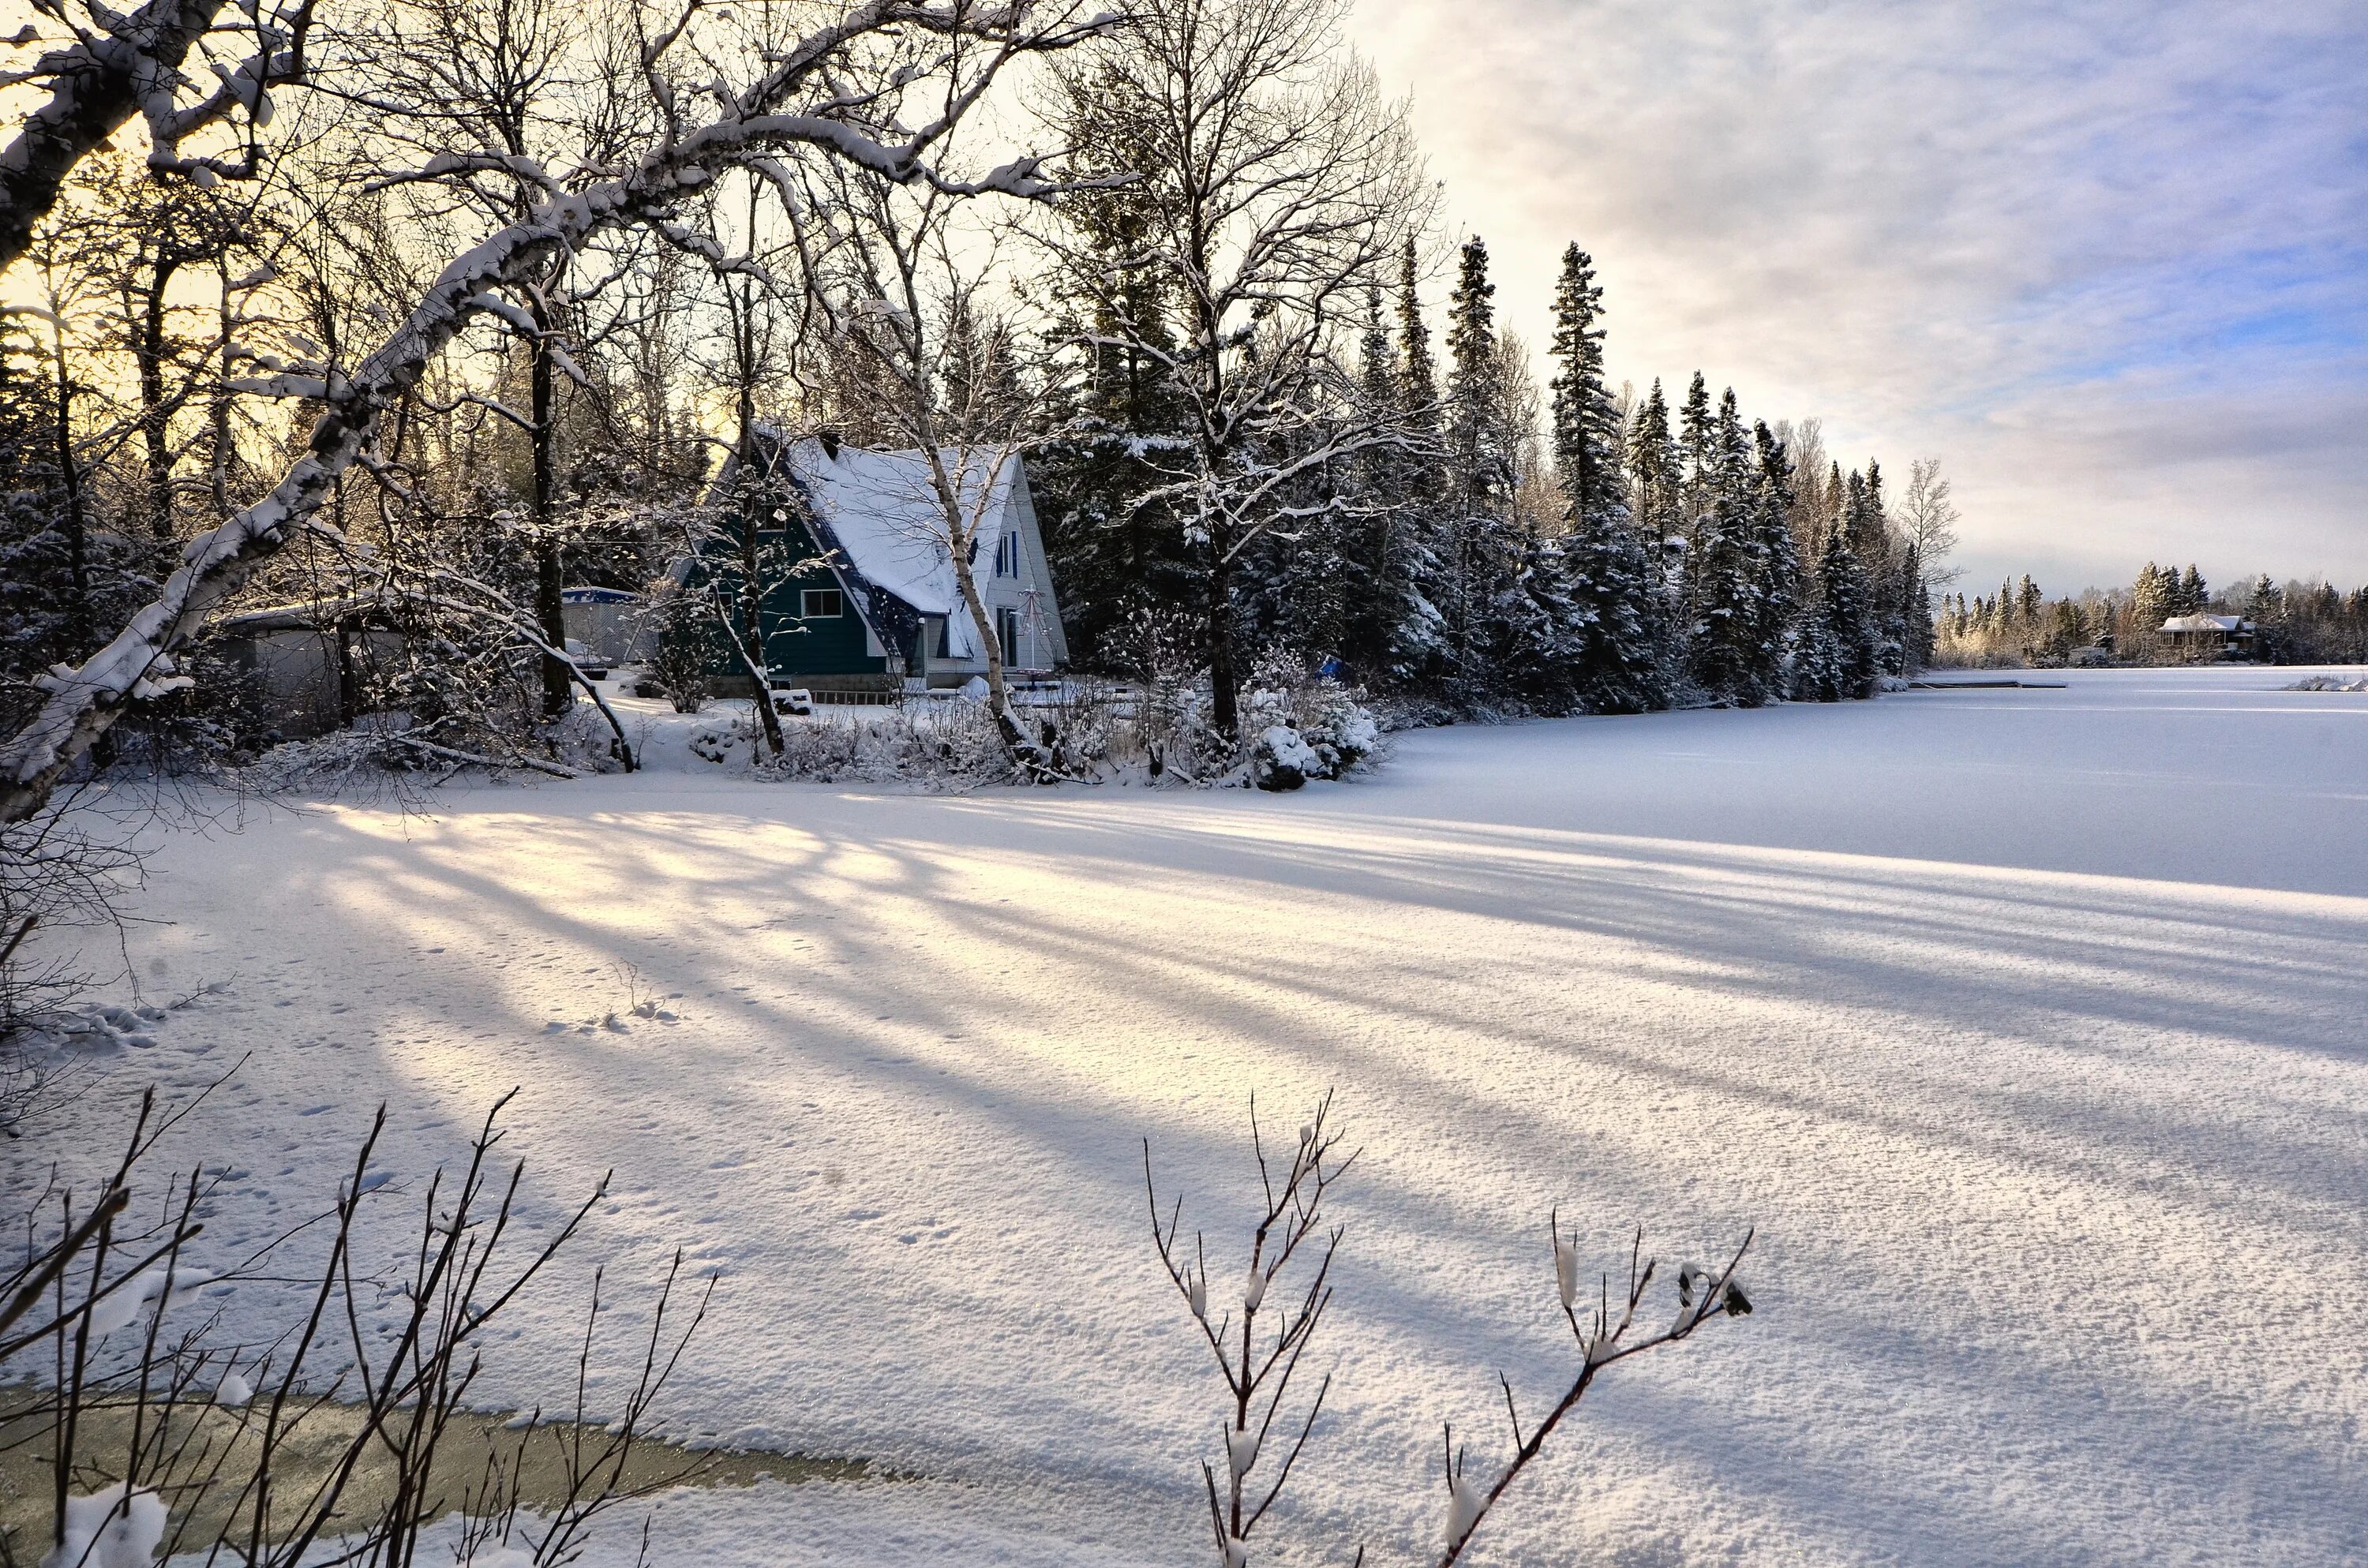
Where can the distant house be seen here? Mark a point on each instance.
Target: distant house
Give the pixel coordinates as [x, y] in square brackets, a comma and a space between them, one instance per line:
[2207, 637]
[879, 608]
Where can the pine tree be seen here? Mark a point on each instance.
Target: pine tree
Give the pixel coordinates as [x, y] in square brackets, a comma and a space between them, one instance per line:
[1778, 566]
[1698, 450]
[1605, 596]
[1418, 372]
[1391, 635]
[2150, 605]
[1115, 555]
[1483, 559]
[1848, 614]
[1653, 473]
[1730, 661]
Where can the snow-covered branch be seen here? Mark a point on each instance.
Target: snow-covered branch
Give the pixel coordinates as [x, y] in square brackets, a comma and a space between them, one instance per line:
[1605, 1337]
[126, 64]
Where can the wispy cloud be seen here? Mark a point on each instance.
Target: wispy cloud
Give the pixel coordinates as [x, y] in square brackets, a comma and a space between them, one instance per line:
[2109, 260]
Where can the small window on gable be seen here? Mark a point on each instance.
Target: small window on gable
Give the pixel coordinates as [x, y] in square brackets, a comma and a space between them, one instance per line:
[1006, 555]
[822, 604]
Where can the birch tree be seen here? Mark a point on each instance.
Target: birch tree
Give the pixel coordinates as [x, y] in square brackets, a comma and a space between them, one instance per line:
[935, 363]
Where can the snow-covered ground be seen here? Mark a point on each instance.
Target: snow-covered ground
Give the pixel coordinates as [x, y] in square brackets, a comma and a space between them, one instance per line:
[2025, 1025]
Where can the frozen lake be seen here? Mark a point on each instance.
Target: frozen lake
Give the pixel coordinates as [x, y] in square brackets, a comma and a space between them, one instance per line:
[2025, 1025]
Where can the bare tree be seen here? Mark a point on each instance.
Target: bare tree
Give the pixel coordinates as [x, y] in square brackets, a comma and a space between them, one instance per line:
[936, 364]
[1258, 1372]
[1928, 518]
[1604, 1338]
[1273, 188]
[338, 1425]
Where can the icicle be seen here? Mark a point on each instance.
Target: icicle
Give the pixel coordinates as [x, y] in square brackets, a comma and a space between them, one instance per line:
[1565, 1272]
[1255, 1292]
[1198, 1292]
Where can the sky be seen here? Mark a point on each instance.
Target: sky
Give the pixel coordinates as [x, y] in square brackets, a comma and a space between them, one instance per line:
[2108, 261]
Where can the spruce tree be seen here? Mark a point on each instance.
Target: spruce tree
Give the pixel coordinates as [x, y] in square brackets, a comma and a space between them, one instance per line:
[1848, 611]
[1777, 564]
[1115, 555]
[1652, 474]
[1391, 635]
[1730, 619]
[1483, 559]
[1605, 597]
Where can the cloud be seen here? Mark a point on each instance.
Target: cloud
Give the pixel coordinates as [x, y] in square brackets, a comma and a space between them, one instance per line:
[2106, 259]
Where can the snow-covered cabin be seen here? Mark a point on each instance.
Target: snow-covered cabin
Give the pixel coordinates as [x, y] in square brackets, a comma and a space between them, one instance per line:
[2211, 636]
[882, 606]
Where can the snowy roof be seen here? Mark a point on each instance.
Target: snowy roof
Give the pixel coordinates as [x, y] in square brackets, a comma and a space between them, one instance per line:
[882, 511]
[2207, 623]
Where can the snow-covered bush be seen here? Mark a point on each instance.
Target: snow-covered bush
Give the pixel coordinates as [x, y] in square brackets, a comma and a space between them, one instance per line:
[1282, 759]
[947, 741]
[1301, 726]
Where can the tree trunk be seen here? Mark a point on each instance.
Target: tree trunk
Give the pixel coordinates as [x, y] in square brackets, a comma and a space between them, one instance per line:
[1025, 752]
[752, 608]
[79, 616]
[1224, 711]
[218, 410]
[154, 415]
[558, 686]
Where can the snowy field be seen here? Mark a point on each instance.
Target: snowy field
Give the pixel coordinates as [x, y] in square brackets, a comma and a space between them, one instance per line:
[2027, 1026]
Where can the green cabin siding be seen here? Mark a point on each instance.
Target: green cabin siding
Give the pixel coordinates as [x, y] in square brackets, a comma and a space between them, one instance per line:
[795, 646]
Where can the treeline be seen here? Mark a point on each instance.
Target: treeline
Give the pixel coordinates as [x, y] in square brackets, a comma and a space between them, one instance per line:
[1564, 549]
[2298, 622]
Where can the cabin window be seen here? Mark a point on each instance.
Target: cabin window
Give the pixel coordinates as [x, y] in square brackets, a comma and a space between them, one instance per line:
[1006, 634]
[822, 604]
[1006, 555]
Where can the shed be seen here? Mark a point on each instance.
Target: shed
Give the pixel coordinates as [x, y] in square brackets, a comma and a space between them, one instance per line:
[608, 622]
[306, 664]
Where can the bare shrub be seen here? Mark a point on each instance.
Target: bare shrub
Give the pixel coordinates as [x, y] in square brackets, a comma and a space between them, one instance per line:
[1257, 1371]
[163, 1433]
